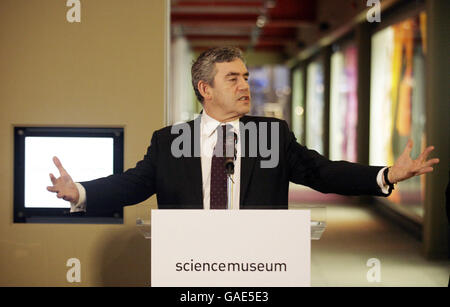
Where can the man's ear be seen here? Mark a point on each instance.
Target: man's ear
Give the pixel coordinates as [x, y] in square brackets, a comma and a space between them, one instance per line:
[204, 89]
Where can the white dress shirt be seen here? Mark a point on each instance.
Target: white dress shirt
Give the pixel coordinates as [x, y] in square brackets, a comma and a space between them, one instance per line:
[208, 139]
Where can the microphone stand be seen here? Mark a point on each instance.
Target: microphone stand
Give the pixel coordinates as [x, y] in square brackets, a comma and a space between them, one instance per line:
[229, 169]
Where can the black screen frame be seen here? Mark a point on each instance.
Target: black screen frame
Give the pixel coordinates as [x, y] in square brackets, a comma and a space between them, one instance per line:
[103, 215]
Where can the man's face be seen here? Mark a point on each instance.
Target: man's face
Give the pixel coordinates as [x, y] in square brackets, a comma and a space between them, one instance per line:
[231, 92]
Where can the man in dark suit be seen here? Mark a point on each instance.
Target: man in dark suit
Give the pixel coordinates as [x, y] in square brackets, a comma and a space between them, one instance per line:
[195, 181]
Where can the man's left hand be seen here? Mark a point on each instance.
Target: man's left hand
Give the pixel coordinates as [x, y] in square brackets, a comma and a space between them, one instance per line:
[405, 167]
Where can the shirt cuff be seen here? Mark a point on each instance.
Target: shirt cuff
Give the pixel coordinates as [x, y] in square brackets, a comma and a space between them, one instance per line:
[384, 187]
[80, 206]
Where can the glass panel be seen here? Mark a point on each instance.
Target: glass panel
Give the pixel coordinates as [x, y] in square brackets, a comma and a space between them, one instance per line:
[398, 103]
[314, 106]
[298, 104]
[270, 91]
[183, 104]
[343, 104]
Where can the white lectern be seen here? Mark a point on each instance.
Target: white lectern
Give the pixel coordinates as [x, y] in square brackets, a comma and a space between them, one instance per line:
[231, 248]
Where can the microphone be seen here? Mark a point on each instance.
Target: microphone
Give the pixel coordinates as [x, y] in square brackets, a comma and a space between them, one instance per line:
[230, 152]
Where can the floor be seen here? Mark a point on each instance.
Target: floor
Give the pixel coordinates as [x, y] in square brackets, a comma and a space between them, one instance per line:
[361, 248]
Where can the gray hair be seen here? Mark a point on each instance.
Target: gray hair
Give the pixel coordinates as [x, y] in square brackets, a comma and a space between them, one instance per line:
[203, 69]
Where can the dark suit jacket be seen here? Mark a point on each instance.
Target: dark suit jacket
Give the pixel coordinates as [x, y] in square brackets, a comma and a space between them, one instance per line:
[177, 182]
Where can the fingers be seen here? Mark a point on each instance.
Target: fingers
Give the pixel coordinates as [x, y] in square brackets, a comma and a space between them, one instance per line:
[431, 162]
[408, 147]
[52, 189]
[423, 156]
[59, 165]
[423, 168]
[60, 194]
[424, 171]
[426, 167]
[53, 179]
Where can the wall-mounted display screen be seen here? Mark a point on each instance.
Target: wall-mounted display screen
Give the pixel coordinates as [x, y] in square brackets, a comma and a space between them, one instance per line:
[315, 106]
[86, 154]
[84, 158]
[397, 110]
[343, 104]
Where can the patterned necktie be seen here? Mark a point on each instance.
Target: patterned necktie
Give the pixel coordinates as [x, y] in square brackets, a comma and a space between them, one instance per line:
[218, 193]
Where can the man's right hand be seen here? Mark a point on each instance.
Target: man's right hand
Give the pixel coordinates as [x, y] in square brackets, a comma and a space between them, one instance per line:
[64, 185]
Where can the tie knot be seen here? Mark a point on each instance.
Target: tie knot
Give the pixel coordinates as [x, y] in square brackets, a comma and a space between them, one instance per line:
[225, 129]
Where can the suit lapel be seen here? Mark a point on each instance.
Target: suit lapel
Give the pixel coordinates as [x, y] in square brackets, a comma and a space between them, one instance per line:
[247, 163]
[193, 164]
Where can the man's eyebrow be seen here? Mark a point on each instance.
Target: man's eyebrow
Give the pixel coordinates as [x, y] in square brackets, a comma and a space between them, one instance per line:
[230, 74]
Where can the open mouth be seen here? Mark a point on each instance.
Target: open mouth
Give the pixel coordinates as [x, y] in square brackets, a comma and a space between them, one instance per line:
[244, 98]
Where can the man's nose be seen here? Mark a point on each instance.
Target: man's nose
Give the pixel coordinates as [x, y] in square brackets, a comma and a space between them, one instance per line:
[243, 85]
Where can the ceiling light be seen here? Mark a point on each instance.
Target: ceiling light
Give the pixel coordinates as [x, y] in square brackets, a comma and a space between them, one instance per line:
[261, 21]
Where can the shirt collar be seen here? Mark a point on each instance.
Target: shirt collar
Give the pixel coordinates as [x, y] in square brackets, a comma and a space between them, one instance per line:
[209, 124]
